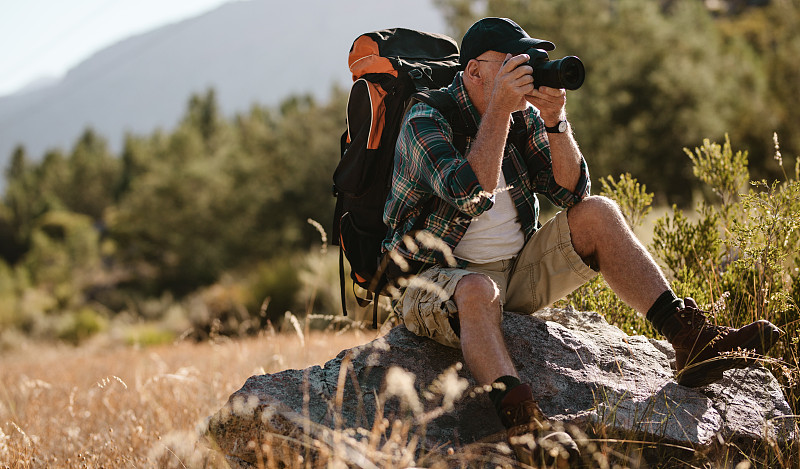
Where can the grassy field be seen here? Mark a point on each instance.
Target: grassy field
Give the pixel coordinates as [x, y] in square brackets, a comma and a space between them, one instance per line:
[112, 406]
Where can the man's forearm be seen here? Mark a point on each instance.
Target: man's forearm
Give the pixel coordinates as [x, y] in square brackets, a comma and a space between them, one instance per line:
[486, 152]
[564, 149]
[566, 159]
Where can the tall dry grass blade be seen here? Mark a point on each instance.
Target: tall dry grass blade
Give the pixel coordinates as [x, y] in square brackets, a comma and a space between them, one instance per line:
[297, 328]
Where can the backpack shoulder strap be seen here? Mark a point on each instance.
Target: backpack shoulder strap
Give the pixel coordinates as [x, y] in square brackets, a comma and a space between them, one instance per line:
[518, 135]
[444, 102]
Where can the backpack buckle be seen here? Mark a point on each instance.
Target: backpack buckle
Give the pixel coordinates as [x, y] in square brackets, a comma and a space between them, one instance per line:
[416, 73]
[420, 78]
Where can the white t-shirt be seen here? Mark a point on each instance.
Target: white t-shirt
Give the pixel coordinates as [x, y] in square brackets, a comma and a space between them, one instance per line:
[494, 235]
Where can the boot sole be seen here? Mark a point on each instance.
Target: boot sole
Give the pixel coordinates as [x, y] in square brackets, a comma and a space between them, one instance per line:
[710, 371]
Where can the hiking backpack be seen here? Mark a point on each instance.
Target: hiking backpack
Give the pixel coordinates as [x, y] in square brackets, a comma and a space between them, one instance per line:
[388, 67]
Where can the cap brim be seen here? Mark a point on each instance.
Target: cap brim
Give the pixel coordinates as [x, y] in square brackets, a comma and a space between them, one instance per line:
[518, 46]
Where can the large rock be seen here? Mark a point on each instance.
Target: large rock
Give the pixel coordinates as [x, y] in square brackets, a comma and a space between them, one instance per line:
[582, 370]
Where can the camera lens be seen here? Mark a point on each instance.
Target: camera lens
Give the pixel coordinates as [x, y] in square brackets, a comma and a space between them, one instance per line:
[565, 73]
[571, 72]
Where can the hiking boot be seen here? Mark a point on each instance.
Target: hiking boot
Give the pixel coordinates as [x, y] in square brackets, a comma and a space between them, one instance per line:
[532, 437]
[704, 350]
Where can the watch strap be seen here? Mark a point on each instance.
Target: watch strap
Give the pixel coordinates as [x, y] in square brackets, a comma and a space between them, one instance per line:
[559, 128]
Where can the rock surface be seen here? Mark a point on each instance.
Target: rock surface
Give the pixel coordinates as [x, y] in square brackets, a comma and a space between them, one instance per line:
[582, 371]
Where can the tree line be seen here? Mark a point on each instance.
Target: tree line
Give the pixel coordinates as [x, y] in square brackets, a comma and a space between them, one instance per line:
[173, 212]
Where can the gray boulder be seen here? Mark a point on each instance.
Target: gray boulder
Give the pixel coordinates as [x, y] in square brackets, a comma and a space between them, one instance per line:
[583, 372]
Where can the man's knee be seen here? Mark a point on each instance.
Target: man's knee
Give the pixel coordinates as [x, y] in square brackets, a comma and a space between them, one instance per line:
[592, 222]
[475, 294]
[593, 210]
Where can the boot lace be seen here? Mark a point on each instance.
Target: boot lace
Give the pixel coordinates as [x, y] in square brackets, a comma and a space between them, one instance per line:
[523, 414]
[697, 319]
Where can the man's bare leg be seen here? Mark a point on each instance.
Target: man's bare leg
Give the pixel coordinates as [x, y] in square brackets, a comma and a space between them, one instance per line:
[482, 343]
[600, 234]
[487, 358]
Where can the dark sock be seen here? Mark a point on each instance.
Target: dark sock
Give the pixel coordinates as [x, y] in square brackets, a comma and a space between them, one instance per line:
[664, 309]
[497, 394]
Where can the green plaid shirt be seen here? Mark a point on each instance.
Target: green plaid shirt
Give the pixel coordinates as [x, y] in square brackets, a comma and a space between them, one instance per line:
[427, 165]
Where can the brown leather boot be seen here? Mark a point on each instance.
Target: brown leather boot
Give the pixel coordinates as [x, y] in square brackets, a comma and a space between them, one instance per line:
[704, 350]
[532, 437]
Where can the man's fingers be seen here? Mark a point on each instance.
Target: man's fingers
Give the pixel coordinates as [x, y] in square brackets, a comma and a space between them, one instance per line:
[550, 95]
[522, 85]
[512, 63]
[515, 67]
[555, 92]
[525, 79]
[516, 75]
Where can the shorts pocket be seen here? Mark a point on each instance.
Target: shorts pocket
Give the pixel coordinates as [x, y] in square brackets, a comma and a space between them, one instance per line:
[431, 319]
[426, 307]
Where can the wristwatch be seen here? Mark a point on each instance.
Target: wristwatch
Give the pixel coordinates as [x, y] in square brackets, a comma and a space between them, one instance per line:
[559, 128]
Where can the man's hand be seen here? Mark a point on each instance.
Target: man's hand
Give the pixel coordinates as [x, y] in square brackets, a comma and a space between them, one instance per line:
[550, 102]
[512, 84]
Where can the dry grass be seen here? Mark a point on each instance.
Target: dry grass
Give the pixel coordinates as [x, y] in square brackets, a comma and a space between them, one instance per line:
[111, 406]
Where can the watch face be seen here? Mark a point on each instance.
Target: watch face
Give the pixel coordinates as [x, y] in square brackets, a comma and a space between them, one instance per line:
[562, 126]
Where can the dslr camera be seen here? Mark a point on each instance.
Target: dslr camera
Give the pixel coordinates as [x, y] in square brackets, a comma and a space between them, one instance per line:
[567, 73]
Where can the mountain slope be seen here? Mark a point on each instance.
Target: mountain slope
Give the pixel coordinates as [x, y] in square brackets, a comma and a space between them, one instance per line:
[257, 51]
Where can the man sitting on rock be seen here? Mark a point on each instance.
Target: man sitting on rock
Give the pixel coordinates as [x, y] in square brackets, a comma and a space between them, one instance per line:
[485, 211]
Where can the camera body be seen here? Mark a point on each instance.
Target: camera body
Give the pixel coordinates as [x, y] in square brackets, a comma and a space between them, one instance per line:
[567, 73]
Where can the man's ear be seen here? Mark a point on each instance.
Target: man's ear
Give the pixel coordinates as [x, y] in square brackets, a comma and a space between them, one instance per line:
[473, 71]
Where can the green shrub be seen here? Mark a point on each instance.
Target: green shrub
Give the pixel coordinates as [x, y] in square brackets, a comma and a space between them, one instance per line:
[79, 325]
[273, 288]
[148, 334]
[320, 293]
[741, 250]
[221, 309]
[633, 199]
[63, 245]
[7, 295]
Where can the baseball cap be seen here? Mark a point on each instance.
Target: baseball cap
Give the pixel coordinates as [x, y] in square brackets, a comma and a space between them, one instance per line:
[500, 35]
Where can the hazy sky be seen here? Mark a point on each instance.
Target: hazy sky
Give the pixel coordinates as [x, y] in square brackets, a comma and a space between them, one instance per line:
[45, 38]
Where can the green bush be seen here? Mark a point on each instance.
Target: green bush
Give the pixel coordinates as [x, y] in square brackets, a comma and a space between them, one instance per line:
[273, 288]
[148, 334]
[320, 293]
[77, 326]
[742, 248]
[63, 245]
[221, 309]
[8, 296]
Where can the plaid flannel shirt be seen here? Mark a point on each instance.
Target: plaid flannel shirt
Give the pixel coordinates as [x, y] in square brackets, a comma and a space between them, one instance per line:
[427, 165]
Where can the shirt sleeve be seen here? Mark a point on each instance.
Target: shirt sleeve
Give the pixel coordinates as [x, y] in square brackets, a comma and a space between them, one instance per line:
[426, 145]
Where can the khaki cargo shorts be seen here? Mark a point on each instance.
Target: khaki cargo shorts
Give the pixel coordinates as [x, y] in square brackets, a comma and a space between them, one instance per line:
[546, 270]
